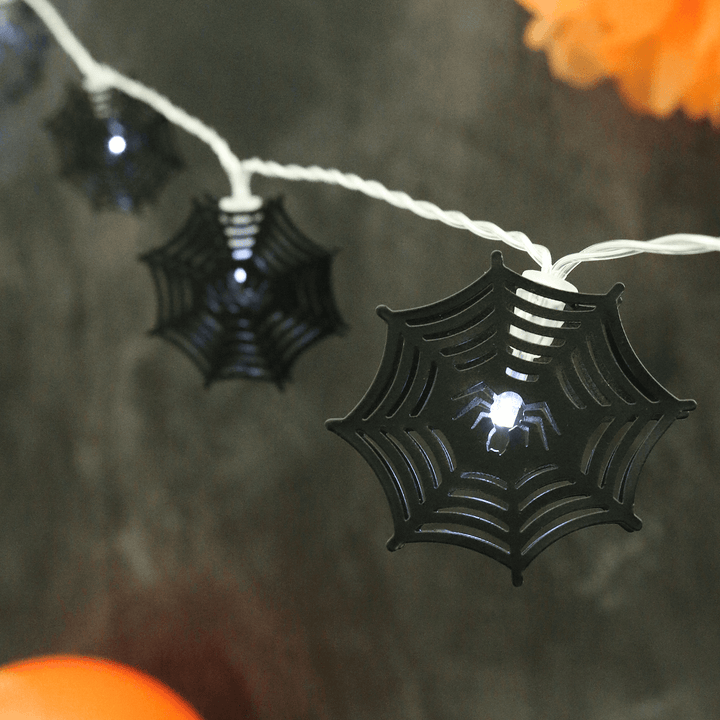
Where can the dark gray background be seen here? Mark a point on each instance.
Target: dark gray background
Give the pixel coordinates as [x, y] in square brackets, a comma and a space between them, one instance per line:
[222, 538]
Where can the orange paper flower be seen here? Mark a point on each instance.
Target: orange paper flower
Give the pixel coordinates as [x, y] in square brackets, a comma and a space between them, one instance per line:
[663, 54]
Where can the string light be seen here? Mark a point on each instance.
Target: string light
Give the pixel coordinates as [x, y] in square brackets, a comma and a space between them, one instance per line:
[117, 150]
[501, 419]
[239, 172]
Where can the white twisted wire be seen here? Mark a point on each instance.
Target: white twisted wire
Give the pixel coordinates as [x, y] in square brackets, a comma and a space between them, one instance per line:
[675, 244]
[424, 209]
[99, 77]
[62, 33]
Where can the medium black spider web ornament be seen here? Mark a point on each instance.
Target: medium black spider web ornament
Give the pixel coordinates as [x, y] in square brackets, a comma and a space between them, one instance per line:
[507, 416]
[243, 294]
[118, 150]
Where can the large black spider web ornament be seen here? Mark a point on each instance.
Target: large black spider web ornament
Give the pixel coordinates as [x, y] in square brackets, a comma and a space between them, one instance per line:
[23, 42]
[116, 149]
[507, 416]
[243, 294]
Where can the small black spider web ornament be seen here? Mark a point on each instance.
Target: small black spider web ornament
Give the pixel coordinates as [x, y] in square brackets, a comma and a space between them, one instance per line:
[507, 416]
[243, 294]
[116, 149]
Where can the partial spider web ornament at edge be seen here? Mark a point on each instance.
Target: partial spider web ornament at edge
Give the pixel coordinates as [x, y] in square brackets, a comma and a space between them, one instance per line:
[23, 45]
[507, 416]
[243, 294]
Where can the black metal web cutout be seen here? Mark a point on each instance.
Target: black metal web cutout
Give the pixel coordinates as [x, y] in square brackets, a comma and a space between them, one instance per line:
[23, 42]
[118, 150]
[243, 294]
[507, 416]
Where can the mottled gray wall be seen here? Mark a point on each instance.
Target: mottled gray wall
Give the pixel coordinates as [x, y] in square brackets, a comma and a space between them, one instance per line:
[226, 541]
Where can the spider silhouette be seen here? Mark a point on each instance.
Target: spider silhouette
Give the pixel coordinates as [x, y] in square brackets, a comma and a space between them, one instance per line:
[507, 412]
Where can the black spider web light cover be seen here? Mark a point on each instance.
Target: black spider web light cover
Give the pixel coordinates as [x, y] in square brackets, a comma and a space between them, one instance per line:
[125, 180]
[584, 414]
[243, 294]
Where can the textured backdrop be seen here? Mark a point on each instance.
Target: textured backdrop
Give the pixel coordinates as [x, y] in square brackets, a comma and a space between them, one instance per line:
[223, 539]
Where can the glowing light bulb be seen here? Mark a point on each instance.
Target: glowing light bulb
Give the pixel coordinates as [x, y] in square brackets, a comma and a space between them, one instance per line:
[240, 276]
[116, 144]
[242, 253]
[505, 409]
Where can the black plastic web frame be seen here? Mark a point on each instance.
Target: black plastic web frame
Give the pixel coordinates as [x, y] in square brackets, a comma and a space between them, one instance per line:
[252, 329]
[127, 180]
[498, 489]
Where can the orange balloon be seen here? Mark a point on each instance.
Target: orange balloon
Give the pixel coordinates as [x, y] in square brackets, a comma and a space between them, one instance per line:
[67, 687]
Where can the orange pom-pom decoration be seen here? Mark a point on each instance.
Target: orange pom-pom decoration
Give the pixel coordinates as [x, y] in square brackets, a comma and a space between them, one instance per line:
[64, 687]
[664, 55]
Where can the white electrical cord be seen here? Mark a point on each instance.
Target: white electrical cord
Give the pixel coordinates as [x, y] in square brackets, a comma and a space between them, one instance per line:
[99, 77]
[676, 244]
[372, 188]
